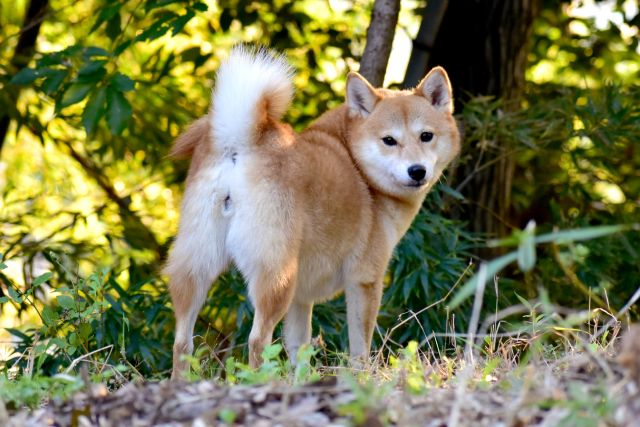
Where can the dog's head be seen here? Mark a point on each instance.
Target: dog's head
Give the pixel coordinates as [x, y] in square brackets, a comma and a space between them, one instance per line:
[402, 140]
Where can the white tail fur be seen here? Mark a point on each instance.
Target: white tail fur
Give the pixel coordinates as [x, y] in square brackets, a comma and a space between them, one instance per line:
[250, 83]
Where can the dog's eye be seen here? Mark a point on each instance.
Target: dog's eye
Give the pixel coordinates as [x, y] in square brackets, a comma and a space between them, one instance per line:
[426, 136]
[388, 140]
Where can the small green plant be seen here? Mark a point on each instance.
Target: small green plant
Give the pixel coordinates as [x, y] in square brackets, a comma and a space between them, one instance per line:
[590, 407]
[369, 396]
[304, 371]
[86, 320]
[409, 368]
[32, 391]
[227, 416]
[272, 368]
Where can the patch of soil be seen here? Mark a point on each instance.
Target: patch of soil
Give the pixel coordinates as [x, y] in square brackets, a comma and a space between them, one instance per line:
[577, 390]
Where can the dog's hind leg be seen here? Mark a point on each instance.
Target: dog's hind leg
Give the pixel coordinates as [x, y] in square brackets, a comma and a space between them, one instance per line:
[297, 328]
[271, 293]
[188, 294]
[264, 243]
[197, 258]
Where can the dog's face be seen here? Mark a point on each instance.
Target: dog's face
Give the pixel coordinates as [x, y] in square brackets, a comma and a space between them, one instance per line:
[402, 140]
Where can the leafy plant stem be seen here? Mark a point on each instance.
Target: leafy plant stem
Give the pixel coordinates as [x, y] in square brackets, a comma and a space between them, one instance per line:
[575, 281]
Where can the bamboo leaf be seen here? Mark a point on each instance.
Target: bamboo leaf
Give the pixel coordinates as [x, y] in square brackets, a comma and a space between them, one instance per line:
[527, 248]
[492, 268]
[577, 234]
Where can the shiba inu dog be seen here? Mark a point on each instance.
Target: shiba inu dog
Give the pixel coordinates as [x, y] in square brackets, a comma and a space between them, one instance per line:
[302, 216]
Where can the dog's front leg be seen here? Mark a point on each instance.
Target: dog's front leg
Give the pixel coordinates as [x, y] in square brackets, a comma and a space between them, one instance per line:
[363, 303]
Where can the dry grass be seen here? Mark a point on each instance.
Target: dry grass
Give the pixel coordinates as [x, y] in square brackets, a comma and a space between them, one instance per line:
[546, 375]
[580, 389]
[533, 364]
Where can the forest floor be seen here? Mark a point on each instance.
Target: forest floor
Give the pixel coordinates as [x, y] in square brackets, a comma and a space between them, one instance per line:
[580, 388]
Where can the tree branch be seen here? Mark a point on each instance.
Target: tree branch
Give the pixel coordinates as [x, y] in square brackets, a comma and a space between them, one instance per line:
[379, 40]
[23, 54]
[136, 233]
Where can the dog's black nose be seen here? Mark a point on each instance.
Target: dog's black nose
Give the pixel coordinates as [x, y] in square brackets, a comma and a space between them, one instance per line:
[417, 172]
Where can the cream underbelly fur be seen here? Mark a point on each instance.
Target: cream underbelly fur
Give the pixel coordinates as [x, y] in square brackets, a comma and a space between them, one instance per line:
[302, 216]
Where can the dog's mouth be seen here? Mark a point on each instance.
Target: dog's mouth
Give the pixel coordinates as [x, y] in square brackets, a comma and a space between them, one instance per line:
[416, 184]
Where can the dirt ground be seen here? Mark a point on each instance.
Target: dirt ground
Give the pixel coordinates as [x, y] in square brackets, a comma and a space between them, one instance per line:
[581, 390]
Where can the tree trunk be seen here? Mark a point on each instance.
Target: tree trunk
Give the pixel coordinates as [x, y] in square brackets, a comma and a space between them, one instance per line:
[424, 41]
[483, 45]
[379, 40]
[23, 53]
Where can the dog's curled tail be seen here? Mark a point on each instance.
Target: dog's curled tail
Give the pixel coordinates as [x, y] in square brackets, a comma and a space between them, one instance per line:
[253, 87]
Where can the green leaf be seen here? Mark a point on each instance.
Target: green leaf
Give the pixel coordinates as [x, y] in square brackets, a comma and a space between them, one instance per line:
[92, 72]
[227, 416]
[577, 234]
[94, 110]
[92, 51]
[106, 14]
[49, 316]
[121, 47]
[73, 339]
[270, 352]
[491, 270]
[14, 295]
[179, 23]
[66, 301]
[200, 6]
[25, 76]
[527, 248]
[450, 191]
[122, 83]
[84, 331]
[158, 28]
[523, 301]
[118, 111]
[19, 334]
[92, 67]
[113, 27]
[54, 80]
[76, 93]
[3, 265]
[41, 279]
[225, 19]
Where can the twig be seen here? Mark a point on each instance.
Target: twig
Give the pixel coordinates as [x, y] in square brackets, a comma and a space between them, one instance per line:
[616, 317]
[574, 280]
[84, 356]
[414, 315]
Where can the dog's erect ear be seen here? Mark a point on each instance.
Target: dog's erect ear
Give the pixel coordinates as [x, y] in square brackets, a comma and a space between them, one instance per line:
[436, 87]
[361, 96]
